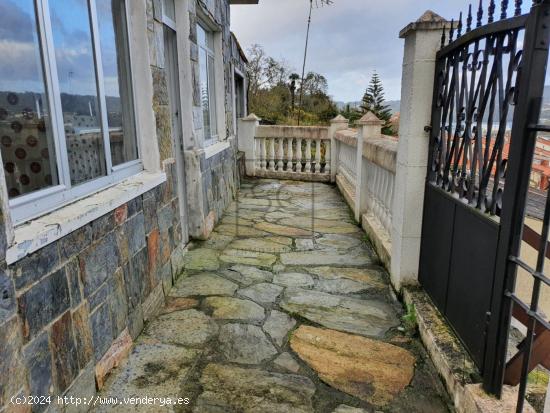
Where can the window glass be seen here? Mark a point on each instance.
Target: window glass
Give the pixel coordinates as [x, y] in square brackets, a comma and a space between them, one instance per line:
[201, 36]
[205, 93]
[211, 83]
[117, 80]
[170, 9]
[205, 38]
[207, 82]
[77, 83]
[26, 138]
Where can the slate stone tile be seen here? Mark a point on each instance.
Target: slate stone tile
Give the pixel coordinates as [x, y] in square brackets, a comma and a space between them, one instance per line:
[97, 262]
[75, 242]
[153, 256]
[119, 303]
[101, 294]
[38, 360]
[132, 287]
[83, 387]
[135, 231]
[12, 373]
[44, 302]
[121, 214]
[150, 214]
[166, 277]
[102, 226]
[72, 269]
[122, 244]
[35, 266]
[165, 247]
[136, 279]
[165, 218]
[7, 296]
[139, 264]
[102, 330]
[135, 321]
[83, 335]
[64, 352]
[135, 206]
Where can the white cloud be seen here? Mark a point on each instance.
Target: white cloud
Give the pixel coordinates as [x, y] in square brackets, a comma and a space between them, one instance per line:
[349, 40]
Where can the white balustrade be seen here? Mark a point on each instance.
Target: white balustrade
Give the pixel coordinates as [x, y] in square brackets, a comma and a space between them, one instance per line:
[300, 153]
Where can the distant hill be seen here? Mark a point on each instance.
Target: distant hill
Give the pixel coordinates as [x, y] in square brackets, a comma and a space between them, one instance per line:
[395, 105]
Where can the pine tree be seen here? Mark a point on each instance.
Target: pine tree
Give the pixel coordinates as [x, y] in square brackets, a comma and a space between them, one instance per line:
[373, 101]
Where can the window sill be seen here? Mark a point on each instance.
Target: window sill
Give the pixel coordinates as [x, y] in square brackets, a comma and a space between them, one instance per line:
[215, 148]
[37, 233]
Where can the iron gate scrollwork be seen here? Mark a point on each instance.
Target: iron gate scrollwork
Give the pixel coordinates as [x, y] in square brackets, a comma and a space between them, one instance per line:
[488, 90]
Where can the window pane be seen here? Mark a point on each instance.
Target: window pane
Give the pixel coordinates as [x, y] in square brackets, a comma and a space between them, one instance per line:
[205, 94]
[117, 79]
[26, 138]
[212, 90]
[201, 36]
[78, 87]
[170, 9]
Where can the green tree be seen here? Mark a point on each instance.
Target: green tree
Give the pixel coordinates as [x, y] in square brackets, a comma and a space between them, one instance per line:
[373, 101]
[351, 114]
[274, 87]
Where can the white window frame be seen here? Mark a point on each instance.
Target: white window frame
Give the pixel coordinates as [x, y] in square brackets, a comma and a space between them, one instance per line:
[237, 72]
[168, 21]
[214, 92]
[42, 201]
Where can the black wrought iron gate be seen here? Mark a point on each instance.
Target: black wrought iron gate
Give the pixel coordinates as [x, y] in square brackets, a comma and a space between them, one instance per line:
[488, 93]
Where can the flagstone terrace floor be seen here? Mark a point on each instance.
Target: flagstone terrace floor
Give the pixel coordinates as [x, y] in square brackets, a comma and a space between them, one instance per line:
[283, 309]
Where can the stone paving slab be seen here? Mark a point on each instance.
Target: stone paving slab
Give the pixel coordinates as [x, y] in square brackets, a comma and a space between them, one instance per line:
[152, 370]
[270, 316]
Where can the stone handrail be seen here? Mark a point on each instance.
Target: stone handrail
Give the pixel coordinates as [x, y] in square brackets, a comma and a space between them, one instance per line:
[366, 178]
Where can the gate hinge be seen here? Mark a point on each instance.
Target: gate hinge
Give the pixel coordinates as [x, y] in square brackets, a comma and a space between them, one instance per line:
[428, 128]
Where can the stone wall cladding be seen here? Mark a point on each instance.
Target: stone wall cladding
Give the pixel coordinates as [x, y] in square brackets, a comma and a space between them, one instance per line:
[161, 104]
[214, 185]
[62, 307]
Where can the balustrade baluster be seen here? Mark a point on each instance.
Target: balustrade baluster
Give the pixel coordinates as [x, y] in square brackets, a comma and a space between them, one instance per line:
[257, 150]
[317, 156]
[280, 154]
[263, 155]
[272, 154]
[308, 156]
[290, 156]
[327, 157]
[299, 155]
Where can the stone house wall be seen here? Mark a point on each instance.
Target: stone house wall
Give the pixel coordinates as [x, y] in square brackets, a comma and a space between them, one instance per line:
[213, 181]
[63, 306]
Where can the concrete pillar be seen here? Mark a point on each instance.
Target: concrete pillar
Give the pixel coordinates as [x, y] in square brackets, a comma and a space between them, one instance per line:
[422, 41]
[336, 124]
[247, 133]
[369, 127]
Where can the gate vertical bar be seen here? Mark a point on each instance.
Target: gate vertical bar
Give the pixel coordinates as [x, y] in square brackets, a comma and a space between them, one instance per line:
[528, 105]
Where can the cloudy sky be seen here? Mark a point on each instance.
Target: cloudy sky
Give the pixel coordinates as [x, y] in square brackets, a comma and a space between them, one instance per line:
[349, 40]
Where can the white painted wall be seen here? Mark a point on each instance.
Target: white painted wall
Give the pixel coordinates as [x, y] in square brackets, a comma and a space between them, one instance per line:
[422, 41]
